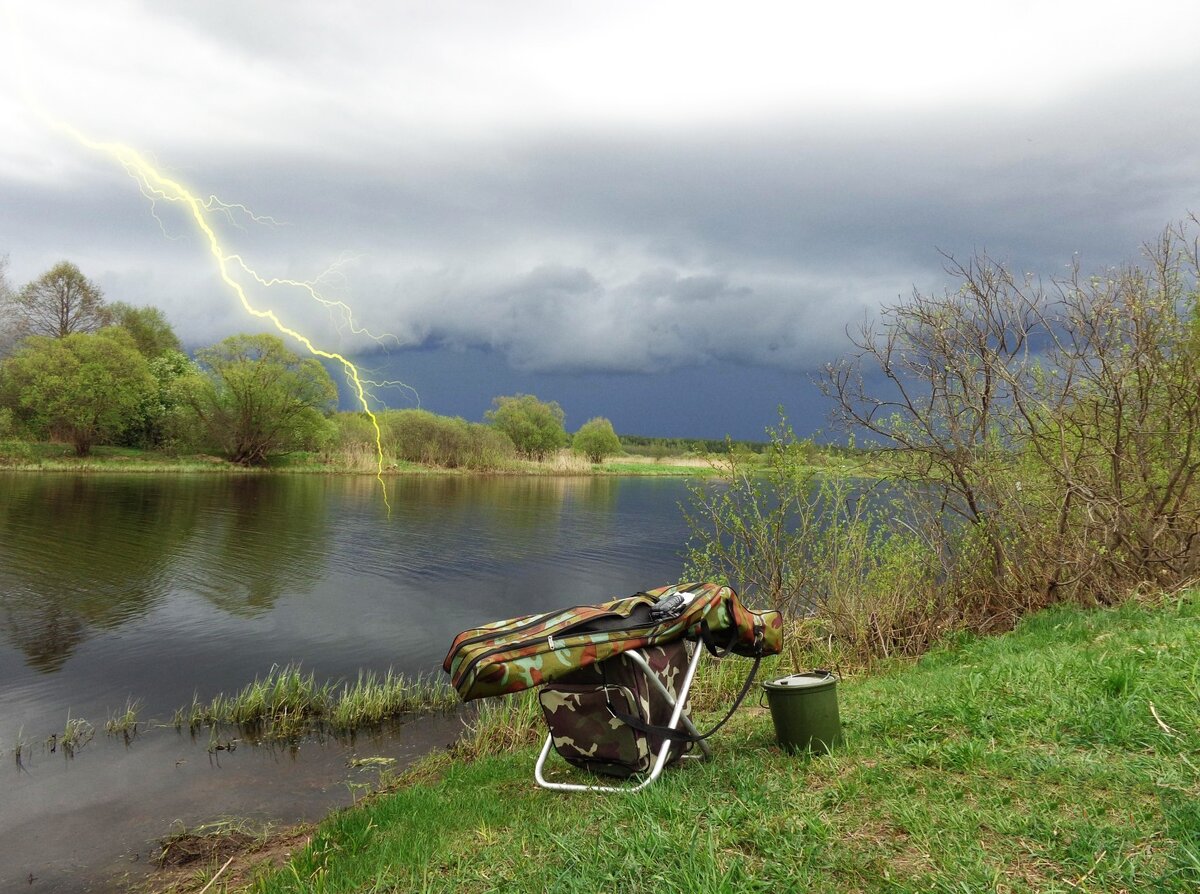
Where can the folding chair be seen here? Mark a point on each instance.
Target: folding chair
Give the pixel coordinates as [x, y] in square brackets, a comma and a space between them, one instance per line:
[679, 721]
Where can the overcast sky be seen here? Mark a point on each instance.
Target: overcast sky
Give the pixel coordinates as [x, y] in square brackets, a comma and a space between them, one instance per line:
[665, 213]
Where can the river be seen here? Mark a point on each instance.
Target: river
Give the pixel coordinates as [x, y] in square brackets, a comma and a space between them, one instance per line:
[157, 589]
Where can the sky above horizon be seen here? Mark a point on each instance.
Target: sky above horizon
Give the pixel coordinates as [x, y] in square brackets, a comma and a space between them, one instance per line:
[665, 213]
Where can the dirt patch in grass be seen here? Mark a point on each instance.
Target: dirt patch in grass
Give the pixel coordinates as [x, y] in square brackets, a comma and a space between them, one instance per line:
[230, 857]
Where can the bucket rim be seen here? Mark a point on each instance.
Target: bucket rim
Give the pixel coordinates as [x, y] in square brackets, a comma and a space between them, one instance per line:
[806, 681]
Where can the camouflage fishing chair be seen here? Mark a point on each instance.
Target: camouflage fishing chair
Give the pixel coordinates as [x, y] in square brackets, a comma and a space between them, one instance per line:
[617, 717]
[615, 677]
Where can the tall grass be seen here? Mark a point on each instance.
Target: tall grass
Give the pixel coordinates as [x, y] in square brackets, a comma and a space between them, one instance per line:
[372, 699]
[76, 733]
[287, 703]
[124, 722]
[502, 725]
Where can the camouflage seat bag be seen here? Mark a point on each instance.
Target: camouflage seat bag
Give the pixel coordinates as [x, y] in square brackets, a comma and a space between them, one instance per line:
[580, 711]
[520, 653]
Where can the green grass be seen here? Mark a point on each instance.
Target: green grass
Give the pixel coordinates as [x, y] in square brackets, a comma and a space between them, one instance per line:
[662, 467]
[52, 457]
[287, 703]
[372, 699]
[75, 735]
[124, 722]
[23, 456]
[1027, 762]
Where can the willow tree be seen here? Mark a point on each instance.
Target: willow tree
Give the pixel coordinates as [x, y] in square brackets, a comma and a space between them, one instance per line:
[260, 398]
[535, 426]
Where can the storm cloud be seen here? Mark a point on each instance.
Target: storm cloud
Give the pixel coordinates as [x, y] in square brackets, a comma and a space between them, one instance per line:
[467, 183]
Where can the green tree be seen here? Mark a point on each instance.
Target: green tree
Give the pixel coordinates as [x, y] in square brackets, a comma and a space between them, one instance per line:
[535, 426]
[165, 419]
[261, 398]
[596, 440]
[61, 302]
[148, 326]
[84, 387]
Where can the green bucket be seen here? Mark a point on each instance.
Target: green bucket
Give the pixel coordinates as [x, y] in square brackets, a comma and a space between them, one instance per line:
[805, 711]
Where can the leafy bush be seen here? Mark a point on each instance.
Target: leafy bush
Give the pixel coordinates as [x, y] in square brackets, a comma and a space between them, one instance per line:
[17, 453]
[261, 398]
[596, 440]
[419, 436]
[534, 426]
[84, 386]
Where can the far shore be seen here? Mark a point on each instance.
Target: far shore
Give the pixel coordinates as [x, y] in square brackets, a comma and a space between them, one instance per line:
[61, 458]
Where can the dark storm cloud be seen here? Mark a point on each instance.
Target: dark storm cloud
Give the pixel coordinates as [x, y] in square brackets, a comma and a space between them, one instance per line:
[569, 248]
[645, 251]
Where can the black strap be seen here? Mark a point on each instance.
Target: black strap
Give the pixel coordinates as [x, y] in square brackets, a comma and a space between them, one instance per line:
[716, 649]
[677, 735]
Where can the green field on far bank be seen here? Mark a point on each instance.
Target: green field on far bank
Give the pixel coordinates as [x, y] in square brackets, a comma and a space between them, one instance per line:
[52, 457]
[1062, 757]
[57, 457]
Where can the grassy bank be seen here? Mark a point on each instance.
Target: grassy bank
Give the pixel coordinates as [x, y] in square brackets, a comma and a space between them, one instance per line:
[1061, 757]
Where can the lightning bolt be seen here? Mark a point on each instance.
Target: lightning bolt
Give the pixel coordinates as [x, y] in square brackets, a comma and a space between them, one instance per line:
[156, 186]
[212, 203]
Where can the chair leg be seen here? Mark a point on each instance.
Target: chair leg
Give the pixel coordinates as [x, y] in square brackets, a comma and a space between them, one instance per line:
[678, 719]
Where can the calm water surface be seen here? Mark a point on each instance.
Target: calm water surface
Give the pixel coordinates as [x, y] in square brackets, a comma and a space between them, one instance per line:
[161, 588]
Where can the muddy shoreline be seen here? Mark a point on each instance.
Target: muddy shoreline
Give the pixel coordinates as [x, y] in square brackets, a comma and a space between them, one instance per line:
[116, 803]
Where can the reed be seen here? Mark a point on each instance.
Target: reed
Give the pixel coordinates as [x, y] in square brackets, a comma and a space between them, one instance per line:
[76, 733]
[20, 748]
[502, 725]
[373, 699]
[287, 703]
[187, 846]
[124, 723]
[284, 692]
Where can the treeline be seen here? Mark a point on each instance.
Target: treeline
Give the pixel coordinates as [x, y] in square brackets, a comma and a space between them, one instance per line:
[77, 369]
[641, 445]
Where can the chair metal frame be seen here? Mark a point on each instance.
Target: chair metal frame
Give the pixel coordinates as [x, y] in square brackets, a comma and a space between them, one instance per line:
[679, 720]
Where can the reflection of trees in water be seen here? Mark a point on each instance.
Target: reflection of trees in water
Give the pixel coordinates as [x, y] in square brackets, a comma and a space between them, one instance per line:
[511, 504]
[44, 630]
[258, 538]
[445, 525]
[79, 553]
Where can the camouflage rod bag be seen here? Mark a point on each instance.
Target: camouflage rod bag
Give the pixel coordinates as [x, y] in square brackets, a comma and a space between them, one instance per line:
[520, 653]
[581, 711]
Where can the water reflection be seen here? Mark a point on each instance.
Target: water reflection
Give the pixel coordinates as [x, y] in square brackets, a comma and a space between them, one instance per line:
[80, 554]
[83, 556]
[255, 539]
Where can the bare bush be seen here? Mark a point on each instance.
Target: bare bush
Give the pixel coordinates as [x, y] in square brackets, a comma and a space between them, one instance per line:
[1039, 442]
[1059, 422]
